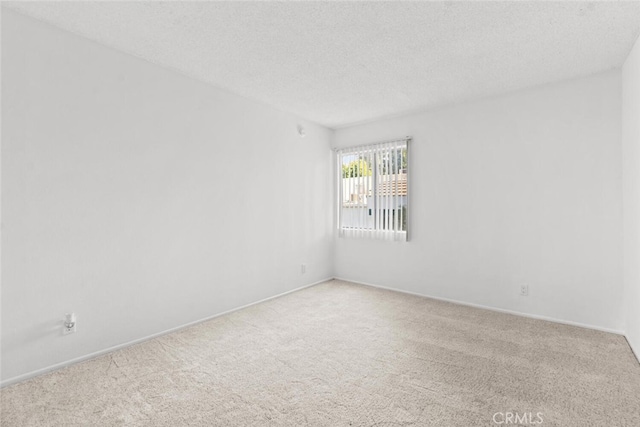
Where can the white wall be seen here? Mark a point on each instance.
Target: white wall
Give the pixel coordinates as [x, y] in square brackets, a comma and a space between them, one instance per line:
[631, 193]
[142, 199]
[519, 189]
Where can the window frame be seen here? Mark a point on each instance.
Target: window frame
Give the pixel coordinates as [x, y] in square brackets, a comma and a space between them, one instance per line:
[378, 232]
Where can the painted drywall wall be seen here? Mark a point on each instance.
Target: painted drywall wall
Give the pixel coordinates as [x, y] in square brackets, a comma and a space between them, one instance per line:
[631, 193]
[142, 199]
[518, 189]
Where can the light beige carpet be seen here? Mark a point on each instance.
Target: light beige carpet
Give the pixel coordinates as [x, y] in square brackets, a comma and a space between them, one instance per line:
[339, 354]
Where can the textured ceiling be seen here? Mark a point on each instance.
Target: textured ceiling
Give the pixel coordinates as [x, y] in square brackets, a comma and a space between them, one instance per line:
[339, 63]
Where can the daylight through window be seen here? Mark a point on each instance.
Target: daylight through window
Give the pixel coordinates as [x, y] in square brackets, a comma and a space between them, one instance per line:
[373, 190]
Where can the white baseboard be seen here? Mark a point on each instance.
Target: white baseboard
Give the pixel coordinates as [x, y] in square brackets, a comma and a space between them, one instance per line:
[485, 307]
[67, 363]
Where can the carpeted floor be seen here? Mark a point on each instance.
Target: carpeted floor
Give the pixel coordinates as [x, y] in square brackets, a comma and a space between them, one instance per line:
[340, 354]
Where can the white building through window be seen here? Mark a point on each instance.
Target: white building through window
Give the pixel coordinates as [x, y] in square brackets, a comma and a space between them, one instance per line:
[373, 190]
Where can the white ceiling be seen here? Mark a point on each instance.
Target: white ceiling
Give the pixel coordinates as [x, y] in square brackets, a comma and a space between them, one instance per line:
[338, 63]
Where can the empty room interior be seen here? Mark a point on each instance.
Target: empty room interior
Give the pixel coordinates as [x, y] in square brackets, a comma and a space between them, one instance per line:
[320, 213]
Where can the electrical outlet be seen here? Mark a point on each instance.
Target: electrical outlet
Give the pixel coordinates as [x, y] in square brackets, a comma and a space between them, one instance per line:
[69, 324]
[303, 268]
[524, 290]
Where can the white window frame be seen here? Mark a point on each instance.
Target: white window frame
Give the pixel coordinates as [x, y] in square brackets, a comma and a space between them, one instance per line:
[379, 230]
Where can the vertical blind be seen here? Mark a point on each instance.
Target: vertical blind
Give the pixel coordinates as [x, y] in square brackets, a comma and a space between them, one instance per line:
[373, 190]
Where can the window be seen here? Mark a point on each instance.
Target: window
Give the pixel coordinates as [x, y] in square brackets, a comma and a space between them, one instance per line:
[373, 190]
